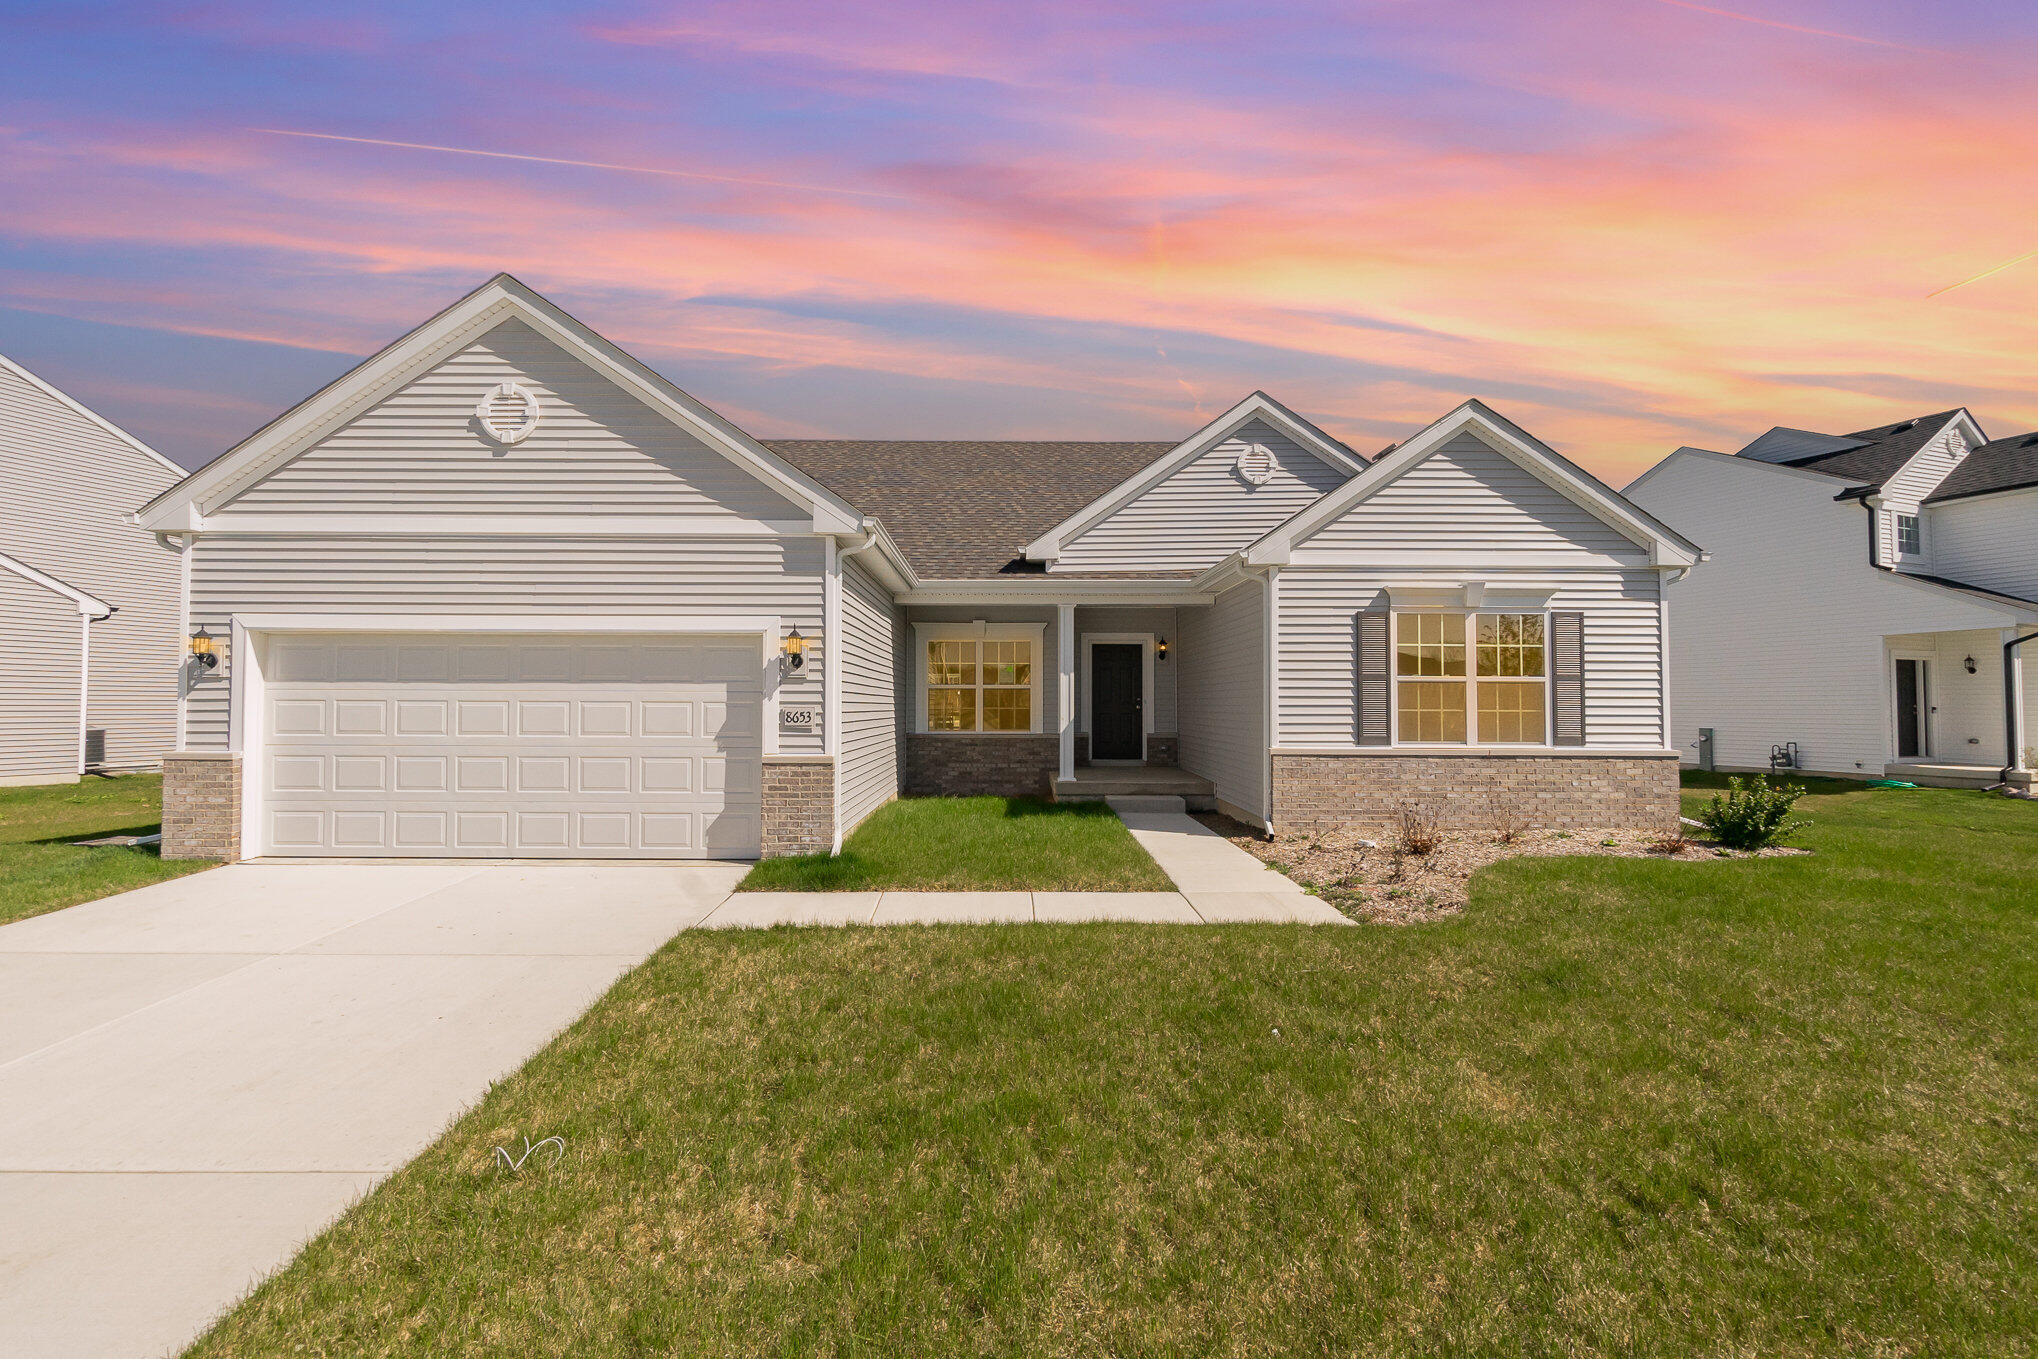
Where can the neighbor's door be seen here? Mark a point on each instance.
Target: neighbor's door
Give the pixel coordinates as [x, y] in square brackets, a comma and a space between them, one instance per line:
[1116, 710]
[1912, 705]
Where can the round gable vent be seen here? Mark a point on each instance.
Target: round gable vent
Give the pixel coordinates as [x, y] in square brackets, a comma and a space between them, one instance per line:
[508, 413]
[1255, 465]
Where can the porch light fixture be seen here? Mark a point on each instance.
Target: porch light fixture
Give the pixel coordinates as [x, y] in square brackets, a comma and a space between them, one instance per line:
[201, 648]
[1971, 666]
[795, 650]
[1160, 648]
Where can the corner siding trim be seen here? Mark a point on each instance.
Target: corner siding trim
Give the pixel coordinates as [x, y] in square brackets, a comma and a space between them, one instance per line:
[799, 806]
[1549, 792]
[202, 805]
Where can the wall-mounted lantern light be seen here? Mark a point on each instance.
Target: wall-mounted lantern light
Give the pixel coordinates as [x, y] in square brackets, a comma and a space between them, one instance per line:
[1160, 649]
[202, 648]
[795, 650]
[1971, 666]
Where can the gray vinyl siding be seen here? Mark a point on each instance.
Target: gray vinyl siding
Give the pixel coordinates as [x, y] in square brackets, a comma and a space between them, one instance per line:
[596, 449]
[1204, 511]
[1466, 500]
[65, 484]
[583, 577]
[873, 648]
[1222, 658]
[1318, 661]
[1159, 622]
[39, 701]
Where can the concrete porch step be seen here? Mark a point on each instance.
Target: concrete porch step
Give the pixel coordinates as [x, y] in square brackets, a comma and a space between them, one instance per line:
[1109, 784]
[1146, 802]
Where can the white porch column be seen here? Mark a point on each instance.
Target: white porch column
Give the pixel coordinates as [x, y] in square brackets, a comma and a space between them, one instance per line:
[2015, 705]
[1065, 684]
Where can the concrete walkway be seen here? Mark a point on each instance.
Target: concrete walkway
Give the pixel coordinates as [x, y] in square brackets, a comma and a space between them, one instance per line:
[197, 1076]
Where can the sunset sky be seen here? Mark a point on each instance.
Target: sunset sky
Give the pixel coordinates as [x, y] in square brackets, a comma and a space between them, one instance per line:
[1627, 224]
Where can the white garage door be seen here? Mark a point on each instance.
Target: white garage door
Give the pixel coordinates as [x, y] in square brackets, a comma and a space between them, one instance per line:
[512, 746]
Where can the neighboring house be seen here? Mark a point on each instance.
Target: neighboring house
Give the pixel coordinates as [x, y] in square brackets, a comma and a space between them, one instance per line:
[89, 604]
[1858, 595]
[503, 590]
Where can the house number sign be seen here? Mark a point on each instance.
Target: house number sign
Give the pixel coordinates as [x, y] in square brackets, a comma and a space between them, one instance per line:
[796, 719]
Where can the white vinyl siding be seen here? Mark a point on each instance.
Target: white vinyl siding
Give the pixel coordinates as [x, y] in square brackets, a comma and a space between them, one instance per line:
[596, 449]
[1221, 653]
[873, 655]
[1910, 484]
[39, 700]
[1204, 511]
[1467, 501]
[1318, 663]
[279, 574]
[65, 483]
[1987, 540]
[1778, 636]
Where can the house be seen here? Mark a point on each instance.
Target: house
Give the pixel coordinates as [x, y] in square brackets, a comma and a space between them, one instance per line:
[504, 591]
[90, 606]
[1855, 613]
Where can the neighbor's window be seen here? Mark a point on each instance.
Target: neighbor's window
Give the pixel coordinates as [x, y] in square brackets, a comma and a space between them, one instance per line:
[1502, 699]
[980, 684]
[1910, 538]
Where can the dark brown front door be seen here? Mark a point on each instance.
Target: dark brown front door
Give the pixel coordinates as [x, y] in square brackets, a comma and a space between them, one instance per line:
[1116, 718]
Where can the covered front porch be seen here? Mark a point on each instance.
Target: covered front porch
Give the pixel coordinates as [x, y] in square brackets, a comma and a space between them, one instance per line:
[1959, 712]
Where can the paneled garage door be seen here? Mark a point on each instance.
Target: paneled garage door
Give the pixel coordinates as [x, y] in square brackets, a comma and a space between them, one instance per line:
[491, 746]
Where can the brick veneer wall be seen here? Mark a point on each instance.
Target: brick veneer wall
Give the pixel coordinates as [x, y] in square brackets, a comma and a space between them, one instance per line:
[202, 806]
[1163, 751]
[1465, 791]
[799, 807]
[981, 766]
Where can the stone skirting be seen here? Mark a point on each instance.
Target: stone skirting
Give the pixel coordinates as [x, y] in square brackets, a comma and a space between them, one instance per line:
[1471, 792]
[202, 805]
[799, 806]
[981, 766]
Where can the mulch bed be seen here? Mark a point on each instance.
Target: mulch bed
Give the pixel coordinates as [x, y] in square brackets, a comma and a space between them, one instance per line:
[1369, 879]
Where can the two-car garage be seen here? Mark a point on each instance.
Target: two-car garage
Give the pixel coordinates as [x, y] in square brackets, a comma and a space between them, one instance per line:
[507, 745]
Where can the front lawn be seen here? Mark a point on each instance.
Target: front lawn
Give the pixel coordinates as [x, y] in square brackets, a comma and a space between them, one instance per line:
[974, 844]
[1617, 1107]
[41, 870]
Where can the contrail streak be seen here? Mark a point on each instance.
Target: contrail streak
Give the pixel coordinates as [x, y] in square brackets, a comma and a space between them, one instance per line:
[2006, 264]
[584, 164]
[1800, 28]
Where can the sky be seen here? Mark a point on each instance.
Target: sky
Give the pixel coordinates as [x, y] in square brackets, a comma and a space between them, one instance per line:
[1627, 224]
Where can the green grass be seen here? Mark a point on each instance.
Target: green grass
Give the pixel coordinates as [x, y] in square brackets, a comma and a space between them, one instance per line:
[41, 870]
[974, 844]
[1767, 1107]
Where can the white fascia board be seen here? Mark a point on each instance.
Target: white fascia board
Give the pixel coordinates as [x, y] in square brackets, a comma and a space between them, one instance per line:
[1256, 406]
[65, 399]
[231, 523]
[1665, 545]
[88, 605]
[501, 298]
[895, 572]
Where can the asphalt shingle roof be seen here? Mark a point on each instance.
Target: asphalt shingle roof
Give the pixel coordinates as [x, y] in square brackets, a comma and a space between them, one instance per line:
[966, 509]
[1999, 465]
[1882, 451]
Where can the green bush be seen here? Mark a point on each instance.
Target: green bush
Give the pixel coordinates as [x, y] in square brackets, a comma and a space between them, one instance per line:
[1752, 813]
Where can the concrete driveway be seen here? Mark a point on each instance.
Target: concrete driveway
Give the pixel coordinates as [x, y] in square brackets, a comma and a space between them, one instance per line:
[197, 1076]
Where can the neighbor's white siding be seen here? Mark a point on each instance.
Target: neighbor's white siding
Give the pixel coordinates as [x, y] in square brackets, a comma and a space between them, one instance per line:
[873, 656]
[39, 699]
[596, 449]
[1318, 661]
[1912, 482]
[1987, 540]
[282, 574]
[1222, 658]
[1204, 511]
[1468, 501]
[1780, 635]
[65, 483]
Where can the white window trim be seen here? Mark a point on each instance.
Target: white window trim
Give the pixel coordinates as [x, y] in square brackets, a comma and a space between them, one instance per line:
[1471, 680]
[1145, 642]
[1896, 534]
[923, 633]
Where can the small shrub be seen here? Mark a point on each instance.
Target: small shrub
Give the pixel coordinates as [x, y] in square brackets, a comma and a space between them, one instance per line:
[1752, 813]
[1509, 825]
[1419, 834]
[1673, 844]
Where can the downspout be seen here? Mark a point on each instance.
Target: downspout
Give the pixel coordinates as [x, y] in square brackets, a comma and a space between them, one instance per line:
[2013, 715]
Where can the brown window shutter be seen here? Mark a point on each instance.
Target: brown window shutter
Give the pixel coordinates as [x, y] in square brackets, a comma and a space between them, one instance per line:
[1567, 672]
[1375, 685]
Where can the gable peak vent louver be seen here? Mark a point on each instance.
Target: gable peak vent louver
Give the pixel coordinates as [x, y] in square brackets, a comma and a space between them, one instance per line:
[1256, 465]
[508, 412]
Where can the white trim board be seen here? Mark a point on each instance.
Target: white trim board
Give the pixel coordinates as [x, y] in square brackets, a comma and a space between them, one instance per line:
[1257, 406]
[925, 632]
[87, 604]
[185, 505]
